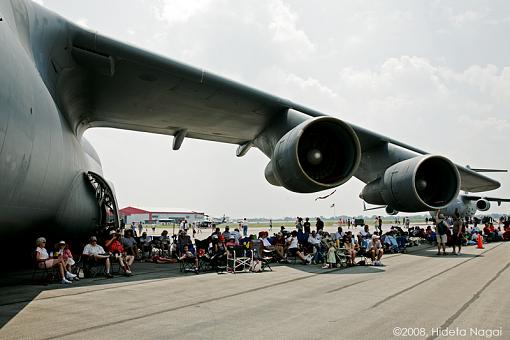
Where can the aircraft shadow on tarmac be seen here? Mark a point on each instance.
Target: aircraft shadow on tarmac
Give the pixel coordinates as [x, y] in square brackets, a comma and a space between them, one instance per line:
[18, 289]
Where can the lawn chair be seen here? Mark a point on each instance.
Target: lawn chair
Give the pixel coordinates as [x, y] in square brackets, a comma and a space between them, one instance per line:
[46, 275]
[265, 256]
[239, 259]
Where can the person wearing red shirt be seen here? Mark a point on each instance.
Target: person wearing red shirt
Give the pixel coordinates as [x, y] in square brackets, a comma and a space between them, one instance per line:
[114, 246]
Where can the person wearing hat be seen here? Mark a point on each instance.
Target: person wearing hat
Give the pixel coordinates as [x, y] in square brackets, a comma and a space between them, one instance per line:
[65, 254]
[44, 261]
[441, 230]
[95, 253]
[376, 250]
[115, 247]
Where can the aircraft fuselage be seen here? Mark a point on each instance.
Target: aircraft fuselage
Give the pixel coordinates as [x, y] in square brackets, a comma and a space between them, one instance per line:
[42, 162]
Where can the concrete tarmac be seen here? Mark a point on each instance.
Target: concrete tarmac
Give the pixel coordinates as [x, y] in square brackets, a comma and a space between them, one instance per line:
[417, 295]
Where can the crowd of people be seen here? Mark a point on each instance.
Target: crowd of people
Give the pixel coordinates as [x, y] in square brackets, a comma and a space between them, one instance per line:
[304, 244]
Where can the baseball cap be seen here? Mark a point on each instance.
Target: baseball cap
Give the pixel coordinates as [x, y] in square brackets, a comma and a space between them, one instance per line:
[62, 242]
[93, 238]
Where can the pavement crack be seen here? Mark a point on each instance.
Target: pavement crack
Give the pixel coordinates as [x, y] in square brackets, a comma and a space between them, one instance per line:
[149, 315]
[475, 297]
[429, 278]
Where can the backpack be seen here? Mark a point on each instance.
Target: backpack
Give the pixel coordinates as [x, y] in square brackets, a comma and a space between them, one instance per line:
[256, 266]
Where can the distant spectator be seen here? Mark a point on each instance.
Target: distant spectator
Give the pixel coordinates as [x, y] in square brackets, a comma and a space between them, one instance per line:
[315, 241]
[236, 234]
[187, 255]
[146, 245]
[129, 243]
[319, 224]
[441, 229]
[307, 226]
[140, 228]
[351, 247]
[457, 236]
[292, 247]
[245, 227]
[375, 249]
[226, 233]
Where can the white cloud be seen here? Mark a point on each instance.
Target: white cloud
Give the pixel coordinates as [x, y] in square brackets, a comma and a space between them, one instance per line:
[379, 65]
[180, 11]
[283, 25]
[468, 17]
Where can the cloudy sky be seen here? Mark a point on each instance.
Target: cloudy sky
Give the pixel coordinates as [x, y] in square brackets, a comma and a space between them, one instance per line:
[434, 74]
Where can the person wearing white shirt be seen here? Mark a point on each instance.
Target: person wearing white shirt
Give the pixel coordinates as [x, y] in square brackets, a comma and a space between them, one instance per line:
[375, 248]
[43, 261]
[292, 243]
[95, 253]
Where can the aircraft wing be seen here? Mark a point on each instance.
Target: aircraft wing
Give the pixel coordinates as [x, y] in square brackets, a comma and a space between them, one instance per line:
[130, 88]
[491, 199]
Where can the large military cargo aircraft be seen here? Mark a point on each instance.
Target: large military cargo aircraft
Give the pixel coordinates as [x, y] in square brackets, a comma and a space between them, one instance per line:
[59, 79]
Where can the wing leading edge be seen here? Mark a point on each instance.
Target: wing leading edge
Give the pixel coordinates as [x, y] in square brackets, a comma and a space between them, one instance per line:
[120, 86]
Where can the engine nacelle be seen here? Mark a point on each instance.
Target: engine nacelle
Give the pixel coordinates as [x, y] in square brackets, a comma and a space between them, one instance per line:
[390, 211]
[483, 205]
[421, 183]
[318, 154]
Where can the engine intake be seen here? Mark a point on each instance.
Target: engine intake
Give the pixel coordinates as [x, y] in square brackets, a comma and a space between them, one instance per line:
[318, 154]
[421, 183]
[483, 204]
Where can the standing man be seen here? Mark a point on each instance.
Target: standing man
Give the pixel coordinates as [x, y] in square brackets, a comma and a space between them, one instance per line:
[245, 227]
[306, 226]
[379, 225]
[140, 228]
[441, 228]
[319, 225]
[457, 234]
[270, 225]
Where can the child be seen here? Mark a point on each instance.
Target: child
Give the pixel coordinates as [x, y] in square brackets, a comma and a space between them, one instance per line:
[187, 255]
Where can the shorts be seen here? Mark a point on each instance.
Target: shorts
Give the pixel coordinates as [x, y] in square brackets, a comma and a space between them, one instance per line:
[49, 263]
[456, 240]
[441, 238]
[292, 251]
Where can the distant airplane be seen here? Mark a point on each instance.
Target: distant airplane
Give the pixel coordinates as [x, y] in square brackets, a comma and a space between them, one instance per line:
[59, 79]
[468, 205]
[465, 205]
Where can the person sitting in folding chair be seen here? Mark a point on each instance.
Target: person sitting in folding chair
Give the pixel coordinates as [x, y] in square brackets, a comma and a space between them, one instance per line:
[115, 247]
[188, 257]
[375, 248]
[44, 262]
[350, 244]
[293, 249]
[94, 253]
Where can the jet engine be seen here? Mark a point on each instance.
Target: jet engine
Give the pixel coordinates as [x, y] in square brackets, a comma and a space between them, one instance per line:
[318, 154]
[390, 211]
[421, 183]
[483, 205]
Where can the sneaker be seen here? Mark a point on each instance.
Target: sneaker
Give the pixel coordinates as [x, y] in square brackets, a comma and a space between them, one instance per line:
[70, 276]
[326, 266]
[129, 273]
[76, 278]
[64, 282]
[108, 275]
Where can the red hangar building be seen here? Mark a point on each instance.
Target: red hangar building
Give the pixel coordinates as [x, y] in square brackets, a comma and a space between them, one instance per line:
[154, 215]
